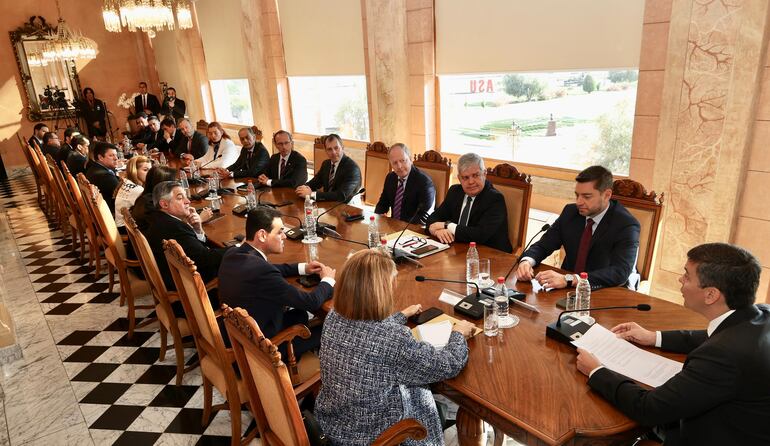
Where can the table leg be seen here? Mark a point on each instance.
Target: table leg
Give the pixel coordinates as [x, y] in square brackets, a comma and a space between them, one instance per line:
[469, 428]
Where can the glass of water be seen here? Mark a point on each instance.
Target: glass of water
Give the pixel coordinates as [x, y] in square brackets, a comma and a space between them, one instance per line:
[212, 188]
[484, 274]
[571, 301]
[490, 319]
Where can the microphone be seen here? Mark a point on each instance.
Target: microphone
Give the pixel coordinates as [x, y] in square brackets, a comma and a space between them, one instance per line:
[400, 254]
[511, 292]
[576, 327]
[337, 236]
[215, 158]
[321, 227]
[259, 200]
[297, 232]
[470, 305]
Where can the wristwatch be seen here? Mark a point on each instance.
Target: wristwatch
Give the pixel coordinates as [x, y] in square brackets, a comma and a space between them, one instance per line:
[570, 278]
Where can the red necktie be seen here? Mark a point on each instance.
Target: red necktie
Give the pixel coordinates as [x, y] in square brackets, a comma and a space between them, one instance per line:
[585, 245]
[282, 168]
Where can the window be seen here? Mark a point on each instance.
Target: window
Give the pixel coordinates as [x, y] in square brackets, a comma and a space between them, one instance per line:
[232, 101]
[330, 104]
[561, 119]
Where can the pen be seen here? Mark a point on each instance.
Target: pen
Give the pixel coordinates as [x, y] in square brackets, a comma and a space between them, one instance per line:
[526, 305]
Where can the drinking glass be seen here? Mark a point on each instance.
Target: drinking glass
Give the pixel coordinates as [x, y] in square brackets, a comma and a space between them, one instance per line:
[484, 274]
[490, 319]
[571, 303]
[311, 251]
[212, 188]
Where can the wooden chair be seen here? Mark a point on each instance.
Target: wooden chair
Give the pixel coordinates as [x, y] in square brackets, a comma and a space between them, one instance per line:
[319, 153]
[516, 188]
[131, 286]
[57, 204]
[216, 360]
[169, 323]
[94, 251]
[438, 168]
[648, 209]
[73, 221]
[48, 205]
[376, 169]
[273, 401]
[25, 149]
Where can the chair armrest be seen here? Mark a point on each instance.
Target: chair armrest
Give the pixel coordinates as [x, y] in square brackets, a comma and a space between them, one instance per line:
[312, 384]
[405, 429]
[213, 283]
[287, 334]
[172, 296]
[124, 237]
[132, 262]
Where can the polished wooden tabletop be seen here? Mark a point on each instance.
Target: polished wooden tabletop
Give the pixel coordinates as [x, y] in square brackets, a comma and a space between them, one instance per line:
[521, 382]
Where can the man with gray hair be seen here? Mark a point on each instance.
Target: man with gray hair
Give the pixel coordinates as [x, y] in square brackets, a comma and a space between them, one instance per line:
[407, 189]
[473, 211]
[175, 219]
[192, 144]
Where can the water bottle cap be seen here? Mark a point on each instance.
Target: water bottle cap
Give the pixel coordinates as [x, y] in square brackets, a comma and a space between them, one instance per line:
[473, 244]
[383, 241]
[308, 211]
[501, 280]
[371, 218]
[584, 275]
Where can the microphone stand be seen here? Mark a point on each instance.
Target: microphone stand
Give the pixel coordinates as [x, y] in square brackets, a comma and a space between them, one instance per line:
[321, 228]
[296, 233]
[576, 327]
[399, 255]
[259, 198]
[470, 305]
[511, 292]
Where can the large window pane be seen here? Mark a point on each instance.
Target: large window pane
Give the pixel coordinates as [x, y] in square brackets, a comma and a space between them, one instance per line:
[330, 104]
[560, 119]
[232, 101]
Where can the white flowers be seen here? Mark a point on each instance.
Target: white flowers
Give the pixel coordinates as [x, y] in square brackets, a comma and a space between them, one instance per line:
[125, 101]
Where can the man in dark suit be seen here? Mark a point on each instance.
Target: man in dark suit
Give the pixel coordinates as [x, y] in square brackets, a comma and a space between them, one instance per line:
[36, 139]
[51, 144]
[406, 188]
[146, 102]
[192, 144]
[287, 168]
[473, 211]
[598, 234]
[102, 174]
[722, 394]
[173, 218]
[248, 280]
[66, 148]
[172, 106]
[142, 128]
[253, 159]
[339, 177]
[153, 135]
[170, 136]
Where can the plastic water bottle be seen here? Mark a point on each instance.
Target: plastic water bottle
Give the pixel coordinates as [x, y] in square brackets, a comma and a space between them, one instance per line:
[251, 196]
[505, 320]
[583, 293]
[472, 267]
[384, 246]
[374, 233]
[309, 224]
[194, 172]
[185, 184]
[162, 159]
[308, 204]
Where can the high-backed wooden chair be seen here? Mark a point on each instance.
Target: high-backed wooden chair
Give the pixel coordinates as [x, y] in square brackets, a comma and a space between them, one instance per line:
[131, 286]
[516, 188]
[169, 323]
[377, 168]
[648, 209]
[80, 221]
[49, 207]
[72, 220]
[438, 168]
[25, 149]
[273, 401]
[58, 203]
[94, 252]
[216, 360]
[319, 153]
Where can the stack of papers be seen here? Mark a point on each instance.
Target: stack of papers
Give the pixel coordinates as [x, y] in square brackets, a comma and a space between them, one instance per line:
[435, 334]
[627, 359]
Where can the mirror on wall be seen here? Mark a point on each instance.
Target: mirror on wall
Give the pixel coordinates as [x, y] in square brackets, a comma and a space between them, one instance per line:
[52, 87]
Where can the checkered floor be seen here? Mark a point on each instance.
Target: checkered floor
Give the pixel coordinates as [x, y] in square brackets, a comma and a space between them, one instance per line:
[125, 394]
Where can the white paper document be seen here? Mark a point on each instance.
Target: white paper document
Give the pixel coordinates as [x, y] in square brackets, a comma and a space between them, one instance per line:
[436, 334]
[627, 359]
[536, 287]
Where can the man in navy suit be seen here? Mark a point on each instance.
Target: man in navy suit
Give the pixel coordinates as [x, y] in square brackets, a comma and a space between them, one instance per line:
[722, 394]
[339, 177]
[146, 102]
[600, 237]
[101, 172]
[406, 188]
[192, 144]
[473, 211]
[248, 280]
[287, 168]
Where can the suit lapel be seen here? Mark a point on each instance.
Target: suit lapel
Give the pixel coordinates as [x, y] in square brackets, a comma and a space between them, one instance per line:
[603, 225]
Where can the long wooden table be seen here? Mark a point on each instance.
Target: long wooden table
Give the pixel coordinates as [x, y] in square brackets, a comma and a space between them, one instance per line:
[521, 382]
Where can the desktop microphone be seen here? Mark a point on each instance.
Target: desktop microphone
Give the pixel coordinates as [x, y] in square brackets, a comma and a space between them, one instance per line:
[511, 292]
[295, 233]
[574, 328]
[321, 227]
[215, 158]
[259, 200]
[470, 305]
[400, 254]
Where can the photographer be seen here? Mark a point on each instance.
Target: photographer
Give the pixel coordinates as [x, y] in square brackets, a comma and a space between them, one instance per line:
[173, 106]
[95, 114]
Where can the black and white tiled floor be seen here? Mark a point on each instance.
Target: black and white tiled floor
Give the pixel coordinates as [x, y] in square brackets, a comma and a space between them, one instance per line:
[122, 393]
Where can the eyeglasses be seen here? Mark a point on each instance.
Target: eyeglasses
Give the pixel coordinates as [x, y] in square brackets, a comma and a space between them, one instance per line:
[414, 242]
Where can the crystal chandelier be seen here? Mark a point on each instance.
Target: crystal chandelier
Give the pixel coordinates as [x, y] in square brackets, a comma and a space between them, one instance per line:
[35, 59]
[65, 44]
[145, 15]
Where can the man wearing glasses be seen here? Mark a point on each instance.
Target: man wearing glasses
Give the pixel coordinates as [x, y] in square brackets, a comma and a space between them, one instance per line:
[473, 211]
[287, 168]
[407, 189]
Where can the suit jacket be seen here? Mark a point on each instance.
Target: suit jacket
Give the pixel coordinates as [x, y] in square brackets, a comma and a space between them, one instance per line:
[177, 111]
[34, 141]
[226, 152]
[418, 192]
[163, 226]
[252, 165]
[198, 148]
[92, 115]
[488, 220]
[50, 149]
[168, 147]
[347, 181]
[614, 244]
[152, 103]
[142, 136]
[722, 394]
[153, 140]
[76, 163]
[62, 154]
[295, 173]
[106, 180]
[249, 281]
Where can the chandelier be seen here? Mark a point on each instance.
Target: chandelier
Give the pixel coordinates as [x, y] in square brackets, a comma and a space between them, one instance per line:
[146, 15]
[35, 59]
[66, 44]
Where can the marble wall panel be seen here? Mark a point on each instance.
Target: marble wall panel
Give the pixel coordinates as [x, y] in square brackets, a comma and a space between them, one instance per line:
[760, 147]
[657, 11]
[644, 137]
[654, 39]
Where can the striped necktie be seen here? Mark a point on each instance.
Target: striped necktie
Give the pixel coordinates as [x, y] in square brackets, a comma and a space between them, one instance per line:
[399, 199]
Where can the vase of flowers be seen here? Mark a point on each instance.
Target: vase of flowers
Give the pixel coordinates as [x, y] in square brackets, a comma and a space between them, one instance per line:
[126, 101]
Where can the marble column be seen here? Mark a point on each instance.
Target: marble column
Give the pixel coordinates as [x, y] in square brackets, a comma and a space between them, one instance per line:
[708, 91]
[387, 69]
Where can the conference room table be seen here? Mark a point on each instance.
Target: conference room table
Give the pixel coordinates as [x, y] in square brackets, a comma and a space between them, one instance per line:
[521, 382]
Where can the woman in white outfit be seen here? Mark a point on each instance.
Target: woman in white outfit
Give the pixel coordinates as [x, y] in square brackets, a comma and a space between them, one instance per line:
[222, 151]
[130, 187]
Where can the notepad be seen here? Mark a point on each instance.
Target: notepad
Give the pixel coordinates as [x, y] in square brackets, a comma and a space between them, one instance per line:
[435, 334]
